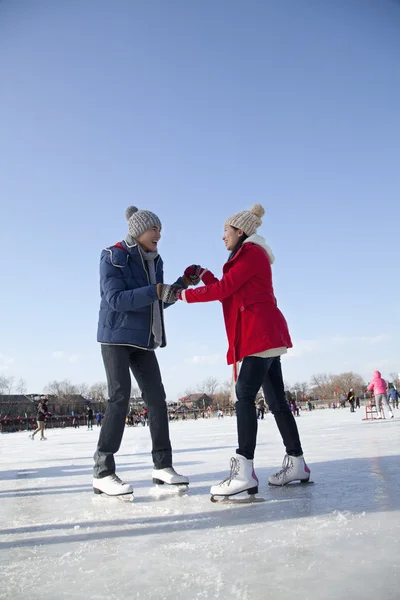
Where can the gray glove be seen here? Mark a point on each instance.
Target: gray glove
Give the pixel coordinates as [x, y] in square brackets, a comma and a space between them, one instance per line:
[168, 293]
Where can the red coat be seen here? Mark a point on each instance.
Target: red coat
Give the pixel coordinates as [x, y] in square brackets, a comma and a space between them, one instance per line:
[253, 321]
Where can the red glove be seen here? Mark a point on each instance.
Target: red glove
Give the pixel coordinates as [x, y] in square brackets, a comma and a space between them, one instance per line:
[194, 274]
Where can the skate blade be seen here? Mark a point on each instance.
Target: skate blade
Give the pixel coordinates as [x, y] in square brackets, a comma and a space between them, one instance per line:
[105, 498]
[250, 499]
[291, 484]
[160, 482]
[176, 489]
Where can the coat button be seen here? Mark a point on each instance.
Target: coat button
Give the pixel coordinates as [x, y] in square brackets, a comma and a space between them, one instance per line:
[242, 308]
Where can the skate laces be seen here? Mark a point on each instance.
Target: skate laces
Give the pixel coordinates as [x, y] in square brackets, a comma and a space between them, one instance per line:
[287, 466]
[234, 471]
[116, 479]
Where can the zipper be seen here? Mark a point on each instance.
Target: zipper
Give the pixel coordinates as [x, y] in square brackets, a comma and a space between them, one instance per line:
[151, 324]
[151, 306]
[161, 304]
[163, 325]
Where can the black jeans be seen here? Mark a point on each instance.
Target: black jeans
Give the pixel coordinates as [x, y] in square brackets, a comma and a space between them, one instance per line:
[266, 373]
[144, 366]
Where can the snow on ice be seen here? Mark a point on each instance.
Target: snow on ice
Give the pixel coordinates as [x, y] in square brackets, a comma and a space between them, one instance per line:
[333, 540]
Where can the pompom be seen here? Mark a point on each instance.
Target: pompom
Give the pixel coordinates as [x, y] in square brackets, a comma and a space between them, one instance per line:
[130, 211]
[258, 211]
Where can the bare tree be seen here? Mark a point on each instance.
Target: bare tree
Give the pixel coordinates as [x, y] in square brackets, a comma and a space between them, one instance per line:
[136, 393]
[8, 402]
[323, 385]
[53, 388]
[21, 386]
[208, 386]
[226, 386]
[61, 389]
[83, 389]
[394, 377]
[10, 384]
[346, 381]
[98, 391]
[223, 395]
[301, 388]
[3, 383]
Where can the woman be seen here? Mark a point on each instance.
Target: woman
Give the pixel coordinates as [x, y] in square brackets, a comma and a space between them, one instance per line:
[378, 386]
[257, 336]
[42, 412]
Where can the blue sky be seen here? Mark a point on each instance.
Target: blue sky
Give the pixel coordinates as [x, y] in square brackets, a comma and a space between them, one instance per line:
[197, 110]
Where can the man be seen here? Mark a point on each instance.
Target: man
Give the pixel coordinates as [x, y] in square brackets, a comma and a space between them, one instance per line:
[131, 328]
[351, 399]
[89, 414]
[260, 408]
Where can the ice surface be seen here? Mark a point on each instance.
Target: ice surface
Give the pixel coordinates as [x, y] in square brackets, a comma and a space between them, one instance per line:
[334, 540]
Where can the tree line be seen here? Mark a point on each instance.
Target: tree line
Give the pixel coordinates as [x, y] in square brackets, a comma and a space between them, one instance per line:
[324, 386]
[327, 386]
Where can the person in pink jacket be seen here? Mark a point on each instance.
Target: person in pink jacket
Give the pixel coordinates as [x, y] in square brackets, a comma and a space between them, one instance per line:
[378, 385]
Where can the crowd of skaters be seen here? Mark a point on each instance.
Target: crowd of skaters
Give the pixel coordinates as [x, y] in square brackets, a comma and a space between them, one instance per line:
[379, 392]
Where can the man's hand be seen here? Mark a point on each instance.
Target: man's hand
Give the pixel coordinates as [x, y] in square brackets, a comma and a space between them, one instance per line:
[168, 293]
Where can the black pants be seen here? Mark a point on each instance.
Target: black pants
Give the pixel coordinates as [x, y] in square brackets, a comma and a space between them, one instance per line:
[118, 360]
[266, 373]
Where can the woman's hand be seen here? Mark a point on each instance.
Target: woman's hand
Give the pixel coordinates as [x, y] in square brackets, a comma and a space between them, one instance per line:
[194, 274]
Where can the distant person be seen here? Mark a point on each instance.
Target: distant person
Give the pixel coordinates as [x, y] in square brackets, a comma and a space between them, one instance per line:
[351, 399]
[260, 408]
[393, 396]
[378, 386]
[89, 415]
[357, 401]
[98, 419]
[42, 413]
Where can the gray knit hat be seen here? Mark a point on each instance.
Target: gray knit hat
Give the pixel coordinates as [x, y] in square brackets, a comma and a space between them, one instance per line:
[247, 220]
[140, 221]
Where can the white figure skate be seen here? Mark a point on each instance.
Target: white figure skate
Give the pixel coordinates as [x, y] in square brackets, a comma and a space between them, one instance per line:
[242, 478]
[294, 468]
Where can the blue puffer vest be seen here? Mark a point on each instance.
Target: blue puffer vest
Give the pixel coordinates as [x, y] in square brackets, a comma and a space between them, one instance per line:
[126, 306]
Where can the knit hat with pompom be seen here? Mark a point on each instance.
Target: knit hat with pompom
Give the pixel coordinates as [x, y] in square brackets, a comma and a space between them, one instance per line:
[247, 220]
[140, 221]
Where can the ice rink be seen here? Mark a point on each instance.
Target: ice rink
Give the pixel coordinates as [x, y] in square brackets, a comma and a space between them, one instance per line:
[336, 539]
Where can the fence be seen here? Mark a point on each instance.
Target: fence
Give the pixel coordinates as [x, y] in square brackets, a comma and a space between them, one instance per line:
[11, 424]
